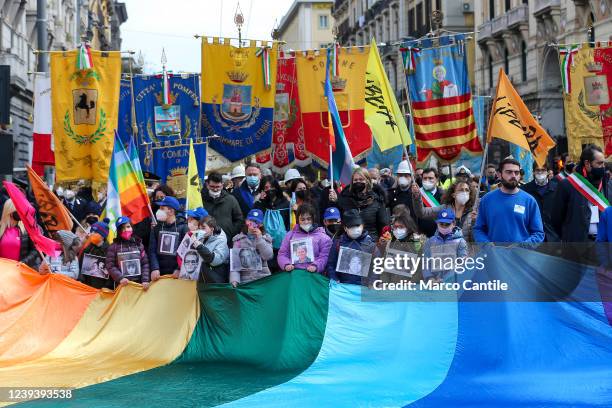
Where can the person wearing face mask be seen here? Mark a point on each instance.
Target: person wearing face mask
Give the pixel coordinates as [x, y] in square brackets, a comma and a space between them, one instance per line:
[306, 228]
[127, 246]
[270, 197]
[448, 235]
[445, 177]
[459, 197]
[74, 204]
[245, 194]
[575, 217]
[332, 222]
[360, 195]
[429, 186]
[211, 244]
[508, 214]
[222, 205]
[303, 195]
[96, 245]
[490, 180]
[165, 239]
[418, 176]
[543, 190]
[386, 180]
[401, 193]
[92, 215]
[15, 243]
[356, 237]
[253, 236]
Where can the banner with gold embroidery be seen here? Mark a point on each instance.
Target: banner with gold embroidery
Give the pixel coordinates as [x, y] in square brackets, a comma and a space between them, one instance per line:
[349, 92]
[85, 101]
[585, 96]
[238, 94]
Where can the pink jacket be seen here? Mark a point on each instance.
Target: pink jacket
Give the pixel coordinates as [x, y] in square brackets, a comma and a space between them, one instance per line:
[321, 243]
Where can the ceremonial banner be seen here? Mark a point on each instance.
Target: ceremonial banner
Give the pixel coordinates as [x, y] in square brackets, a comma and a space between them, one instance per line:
[42, 154]
[238, 92]
[53, 213]
[85, 106]
[349, 94]
[382, 113]
[510, 120]
[441, 98]
[585, 96]
[600, 90]
[164, 131]
[124, 124]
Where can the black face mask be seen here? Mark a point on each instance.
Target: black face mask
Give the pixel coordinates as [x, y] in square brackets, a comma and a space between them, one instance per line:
[597, 173]
[359, 187]
[491, 179]
[333, 228]
[301, 194]
[271, 195]
[16, 216]
[91, 220]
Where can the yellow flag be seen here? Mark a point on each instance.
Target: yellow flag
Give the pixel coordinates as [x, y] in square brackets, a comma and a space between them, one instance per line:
[511, 120]
[194, 195]
[85, 106]
[382, 113]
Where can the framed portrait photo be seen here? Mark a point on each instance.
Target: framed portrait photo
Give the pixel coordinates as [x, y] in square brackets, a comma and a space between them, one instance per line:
[302, 251]
[242, 259]
[353, 262]
[94, 266]
[190, 268]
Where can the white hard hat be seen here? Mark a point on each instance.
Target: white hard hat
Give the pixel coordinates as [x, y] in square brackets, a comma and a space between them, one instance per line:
[238, 171]
[266, 172]
[403, 168]
[463, 169]
[291, 174]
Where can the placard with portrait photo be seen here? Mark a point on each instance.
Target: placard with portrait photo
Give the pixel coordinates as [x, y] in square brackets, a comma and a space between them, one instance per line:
[302, 251]
[353, 262]
[190, 268]
[129, 263]
[167, 243]
[95, 266]
[242, 259]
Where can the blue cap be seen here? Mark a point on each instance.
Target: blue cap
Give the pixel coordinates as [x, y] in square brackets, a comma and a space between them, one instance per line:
[446, 215]
[169, 202]
[255, 215]
[331, 213]
[199, 213]
[121, 221]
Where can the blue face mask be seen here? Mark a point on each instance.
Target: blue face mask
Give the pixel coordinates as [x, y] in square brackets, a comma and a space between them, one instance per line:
[252, 181]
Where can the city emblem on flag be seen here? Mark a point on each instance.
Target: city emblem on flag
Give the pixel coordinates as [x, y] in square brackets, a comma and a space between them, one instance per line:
[236, 105]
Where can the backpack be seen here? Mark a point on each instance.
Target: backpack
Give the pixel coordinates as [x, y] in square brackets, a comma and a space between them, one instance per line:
[275, 226]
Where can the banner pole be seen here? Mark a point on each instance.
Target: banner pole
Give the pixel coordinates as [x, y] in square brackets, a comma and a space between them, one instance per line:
[75, 220]
[331, 167]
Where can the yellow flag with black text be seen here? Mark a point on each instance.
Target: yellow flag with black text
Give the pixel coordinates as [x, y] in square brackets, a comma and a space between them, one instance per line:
[194, 195]
[510, 120]
[85, 103]
[382, 113]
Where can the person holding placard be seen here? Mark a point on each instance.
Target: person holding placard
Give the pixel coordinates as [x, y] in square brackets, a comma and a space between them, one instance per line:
[307, 245]
[251, 251]
[165, 239]
[210, 243]
[93, 257]
[447, 243]
[67, 263]
[126, 259]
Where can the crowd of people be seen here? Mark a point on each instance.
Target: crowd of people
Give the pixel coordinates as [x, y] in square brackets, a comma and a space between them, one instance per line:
[245, 232]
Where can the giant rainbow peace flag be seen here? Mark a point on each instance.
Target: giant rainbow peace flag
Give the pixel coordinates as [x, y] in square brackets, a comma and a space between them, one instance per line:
[294, 339]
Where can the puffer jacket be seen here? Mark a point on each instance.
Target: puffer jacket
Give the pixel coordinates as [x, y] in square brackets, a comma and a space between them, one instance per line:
[94, 281]
[365, 243]
[166, 264]
[215, 255]
[371, 207]
[121, 245]
[321, 243]
[455, 237]
[263, 246]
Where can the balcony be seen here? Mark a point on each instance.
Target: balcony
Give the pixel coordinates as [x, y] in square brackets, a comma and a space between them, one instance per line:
[484, 31]
[499, 25]
[518, 15]
[545, 6]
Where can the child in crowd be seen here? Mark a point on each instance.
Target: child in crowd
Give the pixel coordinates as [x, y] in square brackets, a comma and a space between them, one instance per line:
[211, 244]
[446, 243]
[126, 259]
[67, 263]
[251, 243]
[332, 222]
[312, 236]
[94, 249]
[165, 238]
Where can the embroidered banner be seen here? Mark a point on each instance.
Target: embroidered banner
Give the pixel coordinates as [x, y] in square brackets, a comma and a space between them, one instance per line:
[237, 103]
[124, 123]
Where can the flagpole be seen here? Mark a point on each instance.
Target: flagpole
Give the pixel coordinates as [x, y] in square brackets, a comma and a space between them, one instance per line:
[75, 220]
[331, 167]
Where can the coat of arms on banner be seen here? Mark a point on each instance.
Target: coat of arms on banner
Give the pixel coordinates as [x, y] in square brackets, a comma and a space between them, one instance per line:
[85, 106]
[236, 105]
[596, 87]
[168, 121]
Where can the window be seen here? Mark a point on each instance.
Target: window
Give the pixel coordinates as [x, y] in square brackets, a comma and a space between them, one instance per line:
[411, 26]
[491, 9]
[428, 14]
[507, 5]
[323, 22]
[490, 64]
[438, 6]
[523, 61]
[506, 61]
[419, 18]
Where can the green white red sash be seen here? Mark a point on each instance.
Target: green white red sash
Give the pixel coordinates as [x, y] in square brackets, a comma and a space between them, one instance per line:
[561, 176]
[428, 199]
[586, 189]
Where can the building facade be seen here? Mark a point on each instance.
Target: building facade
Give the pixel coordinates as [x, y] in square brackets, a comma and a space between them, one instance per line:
[68, 21]
[518, 36]
[307, 25]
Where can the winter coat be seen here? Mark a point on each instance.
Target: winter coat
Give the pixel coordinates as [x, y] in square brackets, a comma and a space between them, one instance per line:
[121, 245]
[215, 256]
[237, 193]
[571, 214]
[431, 213]
[166, 264]
[546, 203]
[412, 243]
[77, 207]
[225, 210]
[364, 243]
[263, 246]
[455, 237]
[94, 281]
[398, 196]
[371, 207]
[320, 248]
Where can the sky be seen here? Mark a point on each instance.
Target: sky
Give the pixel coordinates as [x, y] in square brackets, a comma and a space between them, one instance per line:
[153, 25]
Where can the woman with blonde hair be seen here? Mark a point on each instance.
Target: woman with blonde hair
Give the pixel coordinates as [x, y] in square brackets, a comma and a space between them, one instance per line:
[14, 241]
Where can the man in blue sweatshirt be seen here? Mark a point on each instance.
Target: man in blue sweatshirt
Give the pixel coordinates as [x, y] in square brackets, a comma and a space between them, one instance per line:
[509, 214]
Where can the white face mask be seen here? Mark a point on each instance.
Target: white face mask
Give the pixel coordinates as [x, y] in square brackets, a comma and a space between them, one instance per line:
[403, 181]
[429, 185]
[306, 227]
[462, 197]
[354, 232]
[400, 233]
[161, 215]
[69, 194]
[325, 183]
[445, 170]
[541, 178]
[214, 194]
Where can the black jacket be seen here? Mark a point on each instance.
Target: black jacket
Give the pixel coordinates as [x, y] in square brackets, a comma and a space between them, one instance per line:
[546, 203]
[225, 210]
[237, 193]
[374, 213]
[166, 264]
[76, 208]
[399, 196]
[93, 281]
[571, 212]
[280, 203]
